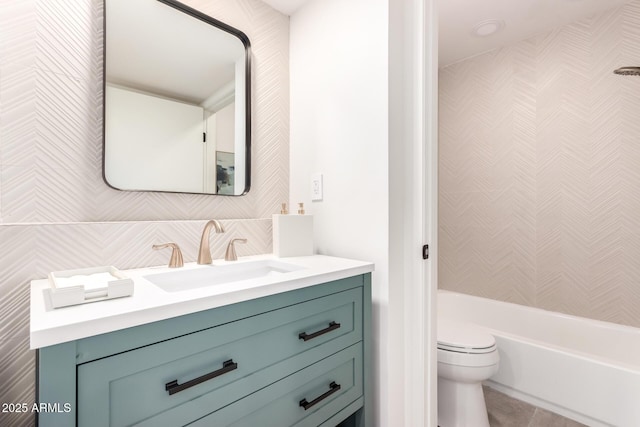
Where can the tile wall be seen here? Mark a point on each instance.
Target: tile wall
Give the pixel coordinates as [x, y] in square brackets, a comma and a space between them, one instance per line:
[539, 171]
[55, 210]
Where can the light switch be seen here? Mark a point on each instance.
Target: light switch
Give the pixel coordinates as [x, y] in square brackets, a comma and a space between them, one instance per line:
[316, 187]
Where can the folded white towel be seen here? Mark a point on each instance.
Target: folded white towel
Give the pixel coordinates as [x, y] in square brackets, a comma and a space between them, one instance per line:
[91, 282]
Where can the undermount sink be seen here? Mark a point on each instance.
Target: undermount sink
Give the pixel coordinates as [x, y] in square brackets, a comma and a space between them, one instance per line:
[182, 280]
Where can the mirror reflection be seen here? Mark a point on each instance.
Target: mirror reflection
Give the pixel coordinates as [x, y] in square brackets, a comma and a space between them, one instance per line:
[177, 100]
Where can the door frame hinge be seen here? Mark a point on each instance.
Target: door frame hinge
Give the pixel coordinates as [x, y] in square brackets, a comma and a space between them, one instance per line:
[425, 252]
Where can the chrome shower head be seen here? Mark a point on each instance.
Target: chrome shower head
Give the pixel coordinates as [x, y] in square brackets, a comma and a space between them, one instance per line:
[628, 71]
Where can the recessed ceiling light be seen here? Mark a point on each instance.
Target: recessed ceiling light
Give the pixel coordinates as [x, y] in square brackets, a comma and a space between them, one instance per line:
[487, 27]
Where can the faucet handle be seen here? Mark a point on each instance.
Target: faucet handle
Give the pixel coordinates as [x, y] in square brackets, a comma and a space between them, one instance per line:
[176, 254]
[230, 255]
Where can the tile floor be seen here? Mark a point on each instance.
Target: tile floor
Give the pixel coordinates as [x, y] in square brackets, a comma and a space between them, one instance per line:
[505, 411]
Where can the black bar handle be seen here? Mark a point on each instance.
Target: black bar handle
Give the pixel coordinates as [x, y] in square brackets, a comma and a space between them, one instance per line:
[173, 387]
[306, 405]
[305, 337]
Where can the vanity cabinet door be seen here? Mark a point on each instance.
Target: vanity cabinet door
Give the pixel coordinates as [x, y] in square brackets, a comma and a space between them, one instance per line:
[183, 379]
[324, 389]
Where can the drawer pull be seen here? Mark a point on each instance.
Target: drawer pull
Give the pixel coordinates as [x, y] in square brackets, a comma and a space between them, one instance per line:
[305, 337]
[173, 387]
[306, 405]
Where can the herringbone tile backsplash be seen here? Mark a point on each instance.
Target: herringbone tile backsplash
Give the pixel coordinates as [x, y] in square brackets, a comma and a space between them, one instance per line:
[55, 210]
[540, 171]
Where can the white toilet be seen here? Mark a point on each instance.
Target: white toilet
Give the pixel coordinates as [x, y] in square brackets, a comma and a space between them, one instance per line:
[467, 355]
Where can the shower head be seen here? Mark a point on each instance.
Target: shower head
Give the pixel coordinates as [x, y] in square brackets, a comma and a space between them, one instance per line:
[628, 71]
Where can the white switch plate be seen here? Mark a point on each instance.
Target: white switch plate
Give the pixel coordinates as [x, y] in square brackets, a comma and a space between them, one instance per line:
[316, 187]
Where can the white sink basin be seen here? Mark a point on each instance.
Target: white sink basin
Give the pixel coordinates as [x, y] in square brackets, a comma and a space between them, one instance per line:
[182, 280]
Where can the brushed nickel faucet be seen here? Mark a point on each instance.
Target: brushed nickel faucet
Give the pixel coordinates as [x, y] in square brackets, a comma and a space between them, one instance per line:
[176, 260]
[204, 253]
[230, 255]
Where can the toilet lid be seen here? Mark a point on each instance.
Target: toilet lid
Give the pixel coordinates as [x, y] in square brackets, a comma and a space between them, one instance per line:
[463, 337]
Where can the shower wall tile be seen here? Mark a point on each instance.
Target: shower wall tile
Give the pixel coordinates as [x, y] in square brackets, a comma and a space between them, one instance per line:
[627, 302]
[563, 169]
[548, 137]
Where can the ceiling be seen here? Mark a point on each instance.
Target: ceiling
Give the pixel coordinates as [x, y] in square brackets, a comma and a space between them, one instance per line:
[286, 6]
[189, 63]
[522, 18]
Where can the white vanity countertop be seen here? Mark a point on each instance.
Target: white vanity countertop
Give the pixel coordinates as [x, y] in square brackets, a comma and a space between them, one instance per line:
[149, 303]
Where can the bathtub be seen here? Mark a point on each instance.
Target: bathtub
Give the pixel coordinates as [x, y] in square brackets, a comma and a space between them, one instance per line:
[584, 369]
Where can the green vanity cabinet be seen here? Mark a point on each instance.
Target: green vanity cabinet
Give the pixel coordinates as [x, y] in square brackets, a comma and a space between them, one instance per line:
[295, 358]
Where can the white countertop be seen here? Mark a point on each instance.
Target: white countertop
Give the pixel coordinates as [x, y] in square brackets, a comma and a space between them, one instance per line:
[149, 303]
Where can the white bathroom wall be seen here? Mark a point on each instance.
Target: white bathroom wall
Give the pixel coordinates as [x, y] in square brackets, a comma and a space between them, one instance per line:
[339, 127]
[148, 152]
[55, 210]
[224, 134]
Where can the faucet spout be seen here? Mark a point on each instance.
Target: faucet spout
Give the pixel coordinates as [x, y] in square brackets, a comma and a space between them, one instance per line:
[204, 253]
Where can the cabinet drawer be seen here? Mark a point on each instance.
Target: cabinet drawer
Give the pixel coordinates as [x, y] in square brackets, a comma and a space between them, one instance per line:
[132, 387]
[324, 388]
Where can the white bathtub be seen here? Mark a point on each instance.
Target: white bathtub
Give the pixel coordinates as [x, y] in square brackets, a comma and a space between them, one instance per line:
[583, 369]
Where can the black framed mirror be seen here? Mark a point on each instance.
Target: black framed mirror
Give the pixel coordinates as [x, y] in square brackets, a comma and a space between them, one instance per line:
[177, 100]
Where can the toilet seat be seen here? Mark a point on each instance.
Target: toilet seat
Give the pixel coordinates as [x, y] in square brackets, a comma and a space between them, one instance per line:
[461, 337]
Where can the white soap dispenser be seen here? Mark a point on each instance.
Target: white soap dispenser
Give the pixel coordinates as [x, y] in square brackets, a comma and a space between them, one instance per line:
[292, 234]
